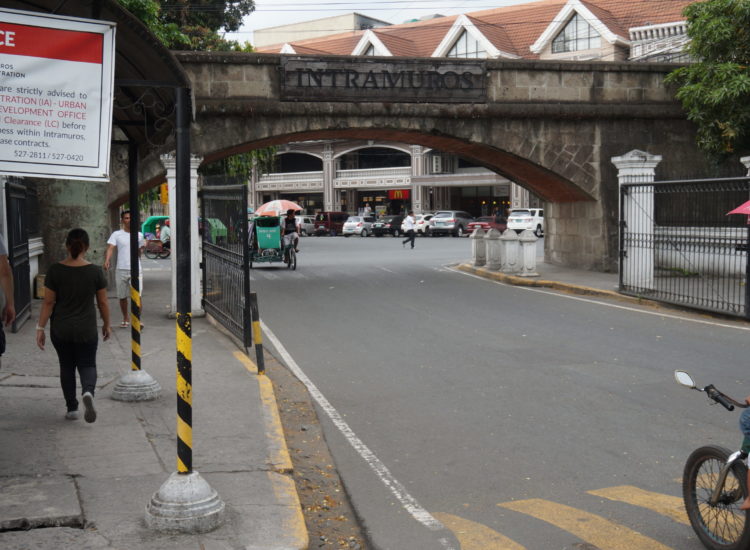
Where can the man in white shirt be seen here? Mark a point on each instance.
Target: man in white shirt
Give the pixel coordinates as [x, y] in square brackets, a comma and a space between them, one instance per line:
[120, 239]
[409, 228]
[166, 235]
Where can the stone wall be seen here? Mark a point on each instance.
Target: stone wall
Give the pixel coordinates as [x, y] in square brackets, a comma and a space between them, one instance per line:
[550, 126]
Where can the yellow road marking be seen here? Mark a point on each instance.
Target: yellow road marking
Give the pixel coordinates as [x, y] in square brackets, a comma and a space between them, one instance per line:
[602, 533]
[666, 505]
[475, 536]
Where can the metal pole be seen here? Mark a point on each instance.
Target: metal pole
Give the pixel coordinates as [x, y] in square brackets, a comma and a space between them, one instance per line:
[184, 314]
[747, 271]
[257, 334]
[135, 272]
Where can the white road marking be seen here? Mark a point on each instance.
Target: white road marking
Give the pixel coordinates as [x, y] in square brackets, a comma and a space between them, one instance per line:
[409, 503]
[385, 269]
[600, 303]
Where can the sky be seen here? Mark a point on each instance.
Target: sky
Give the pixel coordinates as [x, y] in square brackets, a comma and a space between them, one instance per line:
[271, 13]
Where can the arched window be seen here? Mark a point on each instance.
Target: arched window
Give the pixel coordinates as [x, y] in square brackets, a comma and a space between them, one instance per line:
[467, 46]
[370, 50]
[577, 35]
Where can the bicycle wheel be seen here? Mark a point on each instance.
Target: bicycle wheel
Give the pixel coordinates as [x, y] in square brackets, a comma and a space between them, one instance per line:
[722, 526]
[165, 252]
[150, 254]
[292, 264]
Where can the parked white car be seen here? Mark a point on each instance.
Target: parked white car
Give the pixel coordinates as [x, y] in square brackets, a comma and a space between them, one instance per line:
[358, 225]
[421, 224]
[527, 218]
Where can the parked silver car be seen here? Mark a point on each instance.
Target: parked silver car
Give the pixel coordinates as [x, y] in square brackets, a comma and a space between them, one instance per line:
[358, 225]
[450, 222]
[307, 225]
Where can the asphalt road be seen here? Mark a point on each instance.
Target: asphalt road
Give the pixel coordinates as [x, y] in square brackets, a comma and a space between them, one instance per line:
[470, 414]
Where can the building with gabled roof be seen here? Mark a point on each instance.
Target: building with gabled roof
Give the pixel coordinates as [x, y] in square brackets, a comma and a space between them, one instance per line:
[548, 29]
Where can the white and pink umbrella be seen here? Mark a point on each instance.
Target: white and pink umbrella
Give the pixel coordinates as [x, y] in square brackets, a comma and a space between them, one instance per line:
[276, 208]
[741, 209]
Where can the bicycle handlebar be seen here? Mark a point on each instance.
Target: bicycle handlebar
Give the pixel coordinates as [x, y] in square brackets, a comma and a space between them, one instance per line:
[722, 399]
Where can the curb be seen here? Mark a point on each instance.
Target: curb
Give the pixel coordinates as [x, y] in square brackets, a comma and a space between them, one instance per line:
[555, 285]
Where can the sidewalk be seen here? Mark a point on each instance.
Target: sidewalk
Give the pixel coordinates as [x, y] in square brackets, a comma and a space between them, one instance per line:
[69, 485]
[576, 281]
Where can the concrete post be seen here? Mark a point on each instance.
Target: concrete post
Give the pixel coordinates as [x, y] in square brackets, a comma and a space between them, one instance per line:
[746, 162]
[478, 249]
[417, 169]
[330, 202]
[493, 250]
[510, 252]
[252, 188]
[196, 275]
[637, 210]
[528, 253]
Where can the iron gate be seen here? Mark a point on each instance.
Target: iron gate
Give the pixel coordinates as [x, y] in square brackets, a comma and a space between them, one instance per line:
[226, 269]
[677, 245]
[18, 249]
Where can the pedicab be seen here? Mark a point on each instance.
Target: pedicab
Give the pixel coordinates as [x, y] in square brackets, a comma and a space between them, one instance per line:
[267, 244]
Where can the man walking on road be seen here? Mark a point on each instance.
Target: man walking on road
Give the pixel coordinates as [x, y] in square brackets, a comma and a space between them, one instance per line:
[120, 239]
[409, 228]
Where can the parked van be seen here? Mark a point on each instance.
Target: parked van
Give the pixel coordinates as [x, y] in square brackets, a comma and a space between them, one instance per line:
[330, 223]
[527, 218]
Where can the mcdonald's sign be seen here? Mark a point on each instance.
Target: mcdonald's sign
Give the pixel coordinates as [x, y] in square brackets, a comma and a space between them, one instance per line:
[398, 194]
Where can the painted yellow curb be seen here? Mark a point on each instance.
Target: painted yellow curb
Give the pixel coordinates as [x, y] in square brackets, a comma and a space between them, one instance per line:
[279, 457]
[555, 285]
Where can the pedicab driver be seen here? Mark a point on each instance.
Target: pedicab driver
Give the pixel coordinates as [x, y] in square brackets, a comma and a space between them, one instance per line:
[290, 230]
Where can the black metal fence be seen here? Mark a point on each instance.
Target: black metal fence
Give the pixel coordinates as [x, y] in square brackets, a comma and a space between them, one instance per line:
[678, 245]
[226, 271]
[16, 196]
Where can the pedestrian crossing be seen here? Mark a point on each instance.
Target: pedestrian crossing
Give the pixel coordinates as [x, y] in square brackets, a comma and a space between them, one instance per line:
[595, 531]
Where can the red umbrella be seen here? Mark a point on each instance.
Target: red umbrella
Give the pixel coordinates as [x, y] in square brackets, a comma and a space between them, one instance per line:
[741, 209]
[276, 208]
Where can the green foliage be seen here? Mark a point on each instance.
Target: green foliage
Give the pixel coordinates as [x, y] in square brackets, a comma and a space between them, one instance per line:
[193, 24]
[715, 91]
[242, 164]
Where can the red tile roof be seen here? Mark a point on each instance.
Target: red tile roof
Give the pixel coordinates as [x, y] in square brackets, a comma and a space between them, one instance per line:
[511, 29]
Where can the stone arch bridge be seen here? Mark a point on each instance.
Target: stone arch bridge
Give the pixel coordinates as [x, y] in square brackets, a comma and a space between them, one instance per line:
[550, 127]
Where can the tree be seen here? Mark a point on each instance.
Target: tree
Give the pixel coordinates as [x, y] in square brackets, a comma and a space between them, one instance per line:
[193, 24]
[715, 90]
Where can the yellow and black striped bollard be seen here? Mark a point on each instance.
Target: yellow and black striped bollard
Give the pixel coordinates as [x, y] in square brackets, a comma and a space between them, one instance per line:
[184, 393]
[135, 328]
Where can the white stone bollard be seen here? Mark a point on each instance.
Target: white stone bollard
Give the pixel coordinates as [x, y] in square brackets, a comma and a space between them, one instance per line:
[478, 250]
[528, 253]
[492, 245]
[511, 249]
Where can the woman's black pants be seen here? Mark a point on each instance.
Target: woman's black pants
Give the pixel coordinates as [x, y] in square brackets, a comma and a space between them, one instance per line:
[72, 356]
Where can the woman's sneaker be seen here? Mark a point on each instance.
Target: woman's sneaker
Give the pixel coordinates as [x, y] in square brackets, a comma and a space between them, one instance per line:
[71, 415]
[89, 415]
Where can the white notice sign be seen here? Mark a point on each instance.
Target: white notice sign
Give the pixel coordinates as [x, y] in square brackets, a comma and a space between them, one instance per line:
[56, 82]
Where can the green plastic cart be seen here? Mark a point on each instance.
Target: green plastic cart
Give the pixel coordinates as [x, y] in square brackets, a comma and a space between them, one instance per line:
[266, 243]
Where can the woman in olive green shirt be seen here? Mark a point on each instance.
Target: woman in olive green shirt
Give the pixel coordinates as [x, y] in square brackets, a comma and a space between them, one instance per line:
[70, 289]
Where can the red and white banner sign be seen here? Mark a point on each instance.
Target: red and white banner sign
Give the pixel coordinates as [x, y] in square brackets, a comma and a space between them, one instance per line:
[56, 83]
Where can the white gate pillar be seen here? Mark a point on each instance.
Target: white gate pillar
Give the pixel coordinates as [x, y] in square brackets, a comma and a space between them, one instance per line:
[637, 209]
[746, 162]
[493, 250]
[511, 248]
[196, 276]
[528, 253]
[478, 249]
